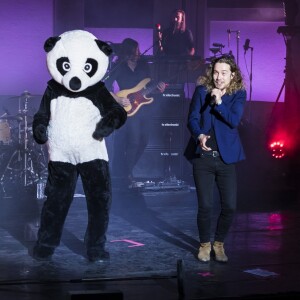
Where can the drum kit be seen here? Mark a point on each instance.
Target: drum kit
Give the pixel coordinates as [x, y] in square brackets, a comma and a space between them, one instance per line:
[22, 161]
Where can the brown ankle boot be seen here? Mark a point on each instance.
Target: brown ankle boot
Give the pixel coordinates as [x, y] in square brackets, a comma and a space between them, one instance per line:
[204, 251]
[220, 255]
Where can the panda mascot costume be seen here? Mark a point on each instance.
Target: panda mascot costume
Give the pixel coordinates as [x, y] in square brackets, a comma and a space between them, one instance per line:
[75, 115]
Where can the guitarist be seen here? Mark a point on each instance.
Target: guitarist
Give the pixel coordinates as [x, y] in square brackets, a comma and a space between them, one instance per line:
[131, 140]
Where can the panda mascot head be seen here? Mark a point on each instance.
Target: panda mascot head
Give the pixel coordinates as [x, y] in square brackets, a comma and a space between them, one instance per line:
[77, 111]
[77, 59]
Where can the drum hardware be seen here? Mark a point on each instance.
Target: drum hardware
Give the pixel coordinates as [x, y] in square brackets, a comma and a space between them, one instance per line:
[27, 163]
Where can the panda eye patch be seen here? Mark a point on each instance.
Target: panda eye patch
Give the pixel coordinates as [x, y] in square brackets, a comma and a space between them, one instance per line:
[63, 65]
[90, 67]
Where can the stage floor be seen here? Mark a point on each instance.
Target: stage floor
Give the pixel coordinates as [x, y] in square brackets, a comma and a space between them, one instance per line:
[153, 245]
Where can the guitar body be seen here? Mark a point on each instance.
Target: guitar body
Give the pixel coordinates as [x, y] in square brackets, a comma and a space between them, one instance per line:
[137, 97]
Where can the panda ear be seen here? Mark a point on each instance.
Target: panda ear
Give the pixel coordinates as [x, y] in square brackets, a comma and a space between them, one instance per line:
[50, 43]
[104, 47]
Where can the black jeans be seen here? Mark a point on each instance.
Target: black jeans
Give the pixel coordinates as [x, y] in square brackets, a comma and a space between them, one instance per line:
[207, 170]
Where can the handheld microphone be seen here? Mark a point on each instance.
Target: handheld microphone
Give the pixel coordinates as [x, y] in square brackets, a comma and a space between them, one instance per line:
[247, 45]
[218, 45]
[213, 100]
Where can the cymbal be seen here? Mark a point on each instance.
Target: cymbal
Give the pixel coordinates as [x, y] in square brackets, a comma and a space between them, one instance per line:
[24, 95]
[18, 117]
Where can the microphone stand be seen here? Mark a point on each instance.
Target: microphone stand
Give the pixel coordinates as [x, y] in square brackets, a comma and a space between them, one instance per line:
[250, 79]
[237, 43]
[237, 46]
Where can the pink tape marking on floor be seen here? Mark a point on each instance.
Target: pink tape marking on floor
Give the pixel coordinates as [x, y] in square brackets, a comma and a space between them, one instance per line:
[134, 244]
[205, 274]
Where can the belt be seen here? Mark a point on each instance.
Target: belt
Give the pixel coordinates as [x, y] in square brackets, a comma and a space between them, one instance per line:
[211, 153]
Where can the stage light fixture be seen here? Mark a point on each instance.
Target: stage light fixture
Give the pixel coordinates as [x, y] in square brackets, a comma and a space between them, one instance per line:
[277, 149]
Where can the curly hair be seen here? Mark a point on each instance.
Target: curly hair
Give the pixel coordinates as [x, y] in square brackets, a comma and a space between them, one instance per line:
[237, 83]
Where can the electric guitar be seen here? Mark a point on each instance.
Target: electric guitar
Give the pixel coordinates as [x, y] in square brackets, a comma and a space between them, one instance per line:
[137, 96]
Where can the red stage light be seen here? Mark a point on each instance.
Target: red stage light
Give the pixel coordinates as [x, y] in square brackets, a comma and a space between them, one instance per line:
[277, 149]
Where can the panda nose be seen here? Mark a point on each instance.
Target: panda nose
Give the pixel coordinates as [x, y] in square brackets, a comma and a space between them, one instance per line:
[75, 83]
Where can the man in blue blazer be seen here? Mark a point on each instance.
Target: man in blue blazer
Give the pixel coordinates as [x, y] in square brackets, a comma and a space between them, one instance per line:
[215, 112]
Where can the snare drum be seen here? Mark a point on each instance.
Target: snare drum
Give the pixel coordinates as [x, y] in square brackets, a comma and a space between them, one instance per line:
[5, 138]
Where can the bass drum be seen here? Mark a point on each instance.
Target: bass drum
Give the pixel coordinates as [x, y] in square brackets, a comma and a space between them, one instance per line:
[5, 136]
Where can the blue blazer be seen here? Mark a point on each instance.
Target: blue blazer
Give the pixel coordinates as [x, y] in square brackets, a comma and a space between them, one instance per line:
[225, 119]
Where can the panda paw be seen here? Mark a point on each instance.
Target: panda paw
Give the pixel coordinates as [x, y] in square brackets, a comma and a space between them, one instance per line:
[40, 134]
[104, 128]
[97, 136]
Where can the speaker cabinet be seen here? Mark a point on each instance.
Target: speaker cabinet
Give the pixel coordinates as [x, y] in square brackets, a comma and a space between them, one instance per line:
[159, 164]
[166, 133]
[169, 104]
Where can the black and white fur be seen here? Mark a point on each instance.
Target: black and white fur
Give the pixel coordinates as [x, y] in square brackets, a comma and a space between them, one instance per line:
[75, 115]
